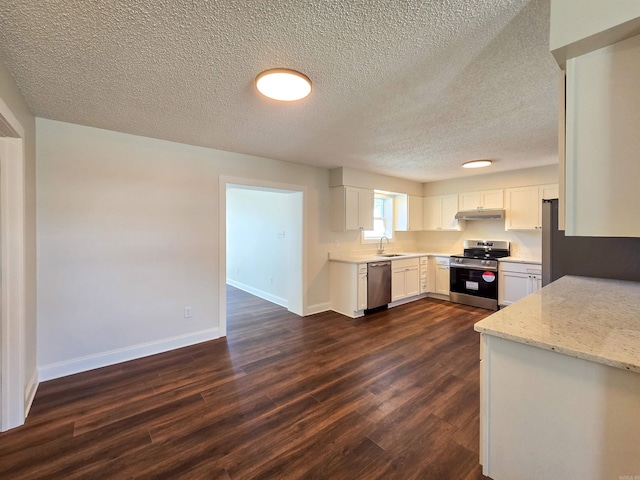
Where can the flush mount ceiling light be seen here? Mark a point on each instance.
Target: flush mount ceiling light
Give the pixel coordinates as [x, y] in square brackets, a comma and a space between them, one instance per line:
[284, 85]
[477, 164]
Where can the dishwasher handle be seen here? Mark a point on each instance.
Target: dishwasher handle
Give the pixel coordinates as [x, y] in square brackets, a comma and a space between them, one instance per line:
[381, 264]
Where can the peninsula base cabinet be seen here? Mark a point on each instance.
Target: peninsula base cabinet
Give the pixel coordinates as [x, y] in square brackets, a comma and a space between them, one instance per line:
[349, 288]
[546, 415]
[517, 280]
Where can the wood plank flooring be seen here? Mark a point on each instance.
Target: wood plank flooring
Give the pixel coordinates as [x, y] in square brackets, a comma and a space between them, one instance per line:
[393, 395]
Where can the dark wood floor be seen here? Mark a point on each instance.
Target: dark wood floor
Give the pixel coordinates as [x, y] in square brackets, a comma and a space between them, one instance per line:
[393, 395]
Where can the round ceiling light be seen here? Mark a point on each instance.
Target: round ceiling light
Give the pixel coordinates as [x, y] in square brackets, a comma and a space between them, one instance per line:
[284, 85]
[477, 164]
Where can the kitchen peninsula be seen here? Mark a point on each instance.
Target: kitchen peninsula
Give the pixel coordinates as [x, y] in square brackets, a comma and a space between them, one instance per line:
[560, 383]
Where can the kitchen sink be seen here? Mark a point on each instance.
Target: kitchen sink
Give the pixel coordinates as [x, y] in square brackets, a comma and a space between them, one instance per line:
[392, 255]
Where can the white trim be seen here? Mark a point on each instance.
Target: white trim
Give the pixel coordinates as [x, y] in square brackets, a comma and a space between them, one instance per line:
[30, 391]
[258, 293]
[12, 232]
[8, 118]
[317, 308]
[301, 277]
[98, 360]
[408, 300]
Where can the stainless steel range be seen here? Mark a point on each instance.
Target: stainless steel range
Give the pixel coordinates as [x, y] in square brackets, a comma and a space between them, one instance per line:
[474, 274]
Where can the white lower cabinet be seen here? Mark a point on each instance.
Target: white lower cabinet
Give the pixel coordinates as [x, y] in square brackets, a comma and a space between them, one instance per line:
[362, 286]
[545, 415]
[424, 274]
[349, 288]
[405, 278]
[517, 280]
[443, 279]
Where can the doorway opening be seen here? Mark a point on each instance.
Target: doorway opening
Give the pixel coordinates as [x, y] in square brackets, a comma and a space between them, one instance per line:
[262, 242]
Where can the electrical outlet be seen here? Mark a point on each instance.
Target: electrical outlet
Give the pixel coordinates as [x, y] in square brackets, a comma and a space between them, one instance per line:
[187, 312]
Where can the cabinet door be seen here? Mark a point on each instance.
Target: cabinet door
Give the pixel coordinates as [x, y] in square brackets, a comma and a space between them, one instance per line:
[522, 210]
[442, 280]
[365, 209]
[432, 213]
[470, 201]
[432, 267]
[358, 209]
[513, 286]
[415, 215]
[362, 291]
[536, 283]
[412, 282]
[398, 287]
[352, 208]
[492, 199]
[449, 210]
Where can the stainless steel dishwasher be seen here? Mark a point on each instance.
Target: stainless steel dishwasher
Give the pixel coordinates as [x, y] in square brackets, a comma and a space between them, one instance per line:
[378, 284]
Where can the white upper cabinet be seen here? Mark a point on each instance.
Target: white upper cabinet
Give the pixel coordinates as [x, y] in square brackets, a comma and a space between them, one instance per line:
[523, 206]
[440, 213]
[409, 211]
[351, 209]
[602, 142]
[487, 199]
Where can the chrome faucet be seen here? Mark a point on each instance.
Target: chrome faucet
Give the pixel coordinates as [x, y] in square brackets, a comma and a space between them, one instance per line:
[381, 248]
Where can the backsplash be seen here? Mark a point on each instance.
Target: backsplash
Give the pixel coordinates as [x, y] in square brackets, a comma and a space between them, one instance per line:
[526, 244]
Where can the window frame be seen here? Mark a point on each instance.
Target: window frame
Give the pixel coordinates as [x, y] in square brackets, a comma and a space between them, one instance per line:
[387, 217]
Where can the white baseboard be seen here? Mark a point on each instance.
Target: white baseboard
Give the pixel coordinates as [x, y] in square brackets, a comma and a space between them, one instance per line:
[90, 362]
[259, 293]
[439, 296]
[317, 308]
[30, 391]
[407, 300]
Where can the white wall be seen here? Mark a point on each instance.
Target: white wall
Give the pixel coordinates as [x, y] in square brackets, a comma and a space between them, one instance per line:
[261, 241]
[128, 235]
[490, 181]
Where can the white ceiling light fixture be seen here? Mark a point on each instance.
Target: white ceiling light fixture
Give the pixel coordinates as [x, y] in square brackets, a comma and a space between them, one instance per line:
[283, 85]
[477, 164]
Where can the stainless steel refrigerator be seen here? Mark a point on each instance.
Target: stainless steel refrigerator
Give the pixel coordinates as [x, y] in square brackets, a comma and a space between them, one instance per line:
[603, 257]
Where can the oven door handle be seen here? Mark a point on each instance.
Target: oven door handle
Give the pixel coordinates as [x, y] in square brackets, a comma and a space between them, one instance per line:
[468, 267]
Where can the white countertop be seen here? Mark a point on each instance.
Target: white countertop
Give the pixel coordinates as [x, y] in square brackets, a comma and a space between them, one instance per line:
[589, 318]
[518, 259]
[372, 257]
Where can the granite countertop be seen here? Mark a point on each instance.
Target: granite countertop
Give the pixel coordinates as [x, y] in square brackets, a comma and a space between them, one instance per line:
[589, 318]
[372, 257]
[518, 259]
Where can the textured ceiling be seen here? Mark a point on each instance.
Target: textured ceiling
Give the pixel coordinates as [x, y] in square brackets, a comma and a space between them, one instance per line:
[410, 88]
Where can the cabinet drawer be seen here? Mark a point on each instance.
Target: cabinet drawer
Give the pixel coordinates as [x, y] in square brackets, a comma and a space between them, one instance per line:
[362, 268]
[405, 263]
[424, 260]
[527, 268]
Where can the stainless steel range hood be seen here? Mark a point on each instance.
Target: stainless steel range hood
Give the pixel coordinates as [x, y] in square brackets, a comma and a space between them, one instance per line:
[489, 214]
